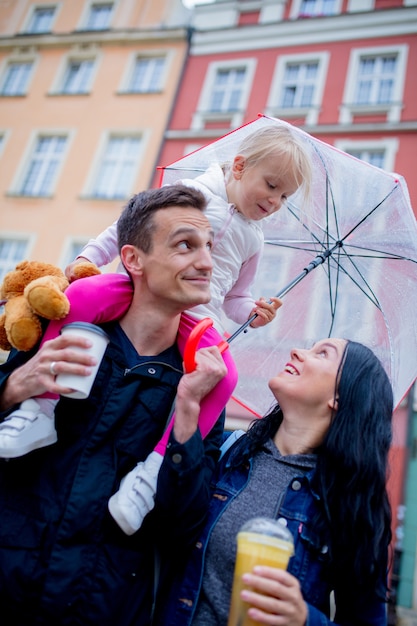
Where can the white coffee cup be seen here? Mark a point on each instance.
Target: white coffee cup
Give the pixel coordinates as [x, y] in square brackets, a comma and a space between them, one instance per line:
[81, 385]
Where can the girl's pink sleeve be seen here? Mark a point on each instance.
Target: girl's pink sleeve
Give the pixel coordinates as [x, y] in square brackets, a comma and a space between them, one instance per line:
[95, 299]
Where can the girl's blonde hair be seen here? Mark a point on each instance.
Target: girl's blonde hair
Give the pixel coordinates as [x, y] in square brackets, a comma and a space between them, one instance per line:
[278, 140]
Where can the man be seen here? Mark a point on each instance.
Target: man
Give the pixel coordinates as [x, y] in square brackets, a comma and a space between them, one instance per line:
[63, 559]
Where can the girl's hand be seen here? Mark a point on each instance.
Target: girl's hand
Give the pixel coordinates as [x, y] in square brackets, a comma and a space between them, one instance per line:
[69, 270]
[265, 311]
[275, 597]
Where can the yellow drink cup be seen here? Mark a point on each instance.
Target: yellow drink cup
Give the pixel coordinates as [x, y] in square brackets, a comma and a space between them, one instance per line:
[260, 541]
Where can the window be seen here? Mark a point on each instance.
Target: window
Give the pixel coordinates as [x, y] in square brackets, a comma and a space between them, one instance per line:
[16, 79]
[314, 8]
[318, 7]
[375, 83]
[72, 249]
[374, 157]
[12, 251]
[99, 16]
[147, 75]
[78, 76]
[225, 93]
[41, 20]
[297, 86]
[376, 78]
[42, 170]
[118, 166]
[227, 89]
[379, 152]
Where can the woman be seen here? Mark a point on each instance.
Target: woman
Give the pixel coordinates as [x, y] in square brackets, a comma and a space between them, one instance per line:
[318, 461]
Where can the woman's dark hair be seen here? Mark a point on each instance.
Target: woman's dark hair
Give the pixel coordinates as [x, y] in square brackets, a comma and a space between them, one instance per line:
[352, 470]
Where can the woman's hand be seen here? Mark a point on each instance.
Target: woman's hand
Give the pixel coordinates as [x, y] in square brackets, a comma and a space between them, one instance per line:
[275, 597]
[265, 311]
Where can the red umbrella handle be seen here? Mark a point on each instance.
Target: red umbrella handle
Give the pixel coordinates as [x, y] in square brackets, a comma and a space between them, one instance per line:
[193, 341]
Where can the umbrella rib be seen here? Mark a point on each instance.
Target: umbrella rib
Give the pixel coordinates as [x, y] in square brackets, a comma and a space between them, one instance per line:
[348, 291]
[185, 169]
[332, 305]
[374, 299]
[365, 217]
[379, 254]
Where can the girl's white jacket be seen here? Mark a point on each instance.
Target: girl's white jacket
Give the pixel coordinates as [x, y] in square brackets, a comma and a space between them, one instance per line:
[237, 250]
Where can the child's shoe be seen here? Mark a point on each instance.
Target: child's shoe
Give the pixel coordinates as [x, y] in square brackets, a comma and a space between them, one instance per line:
[136, 495]
[31, 426]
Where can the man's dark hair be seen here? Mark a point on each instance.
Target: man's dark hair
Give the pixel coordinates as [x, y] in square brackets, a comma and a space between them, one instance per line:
[136, 225]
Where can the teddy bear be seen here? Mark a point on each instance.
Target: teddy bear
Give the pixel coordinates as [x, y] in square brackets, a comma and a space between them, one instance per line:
[34, 290]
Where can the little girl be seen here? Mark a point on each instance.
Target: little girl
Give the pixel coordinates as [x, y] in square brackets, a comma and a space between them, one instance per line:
[270, 165]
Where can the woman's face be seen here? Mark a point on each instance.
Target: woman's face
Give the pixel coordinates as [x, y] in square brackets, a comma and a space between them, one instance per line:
[309, 377]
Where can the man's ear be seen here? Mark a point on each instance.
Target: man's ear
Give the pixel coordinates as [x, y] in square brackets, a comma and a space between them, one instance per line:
[131, 258]
[238, 166]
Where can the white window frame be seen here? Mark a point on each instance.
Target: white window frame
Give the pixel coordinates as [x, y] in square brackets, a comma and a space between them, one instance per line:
[23, 90]
[9, 263]
[393, 109]
[357, 6]
[27, 159]
[90, 188]
[80, 82]
[203, 114]
[295, 12]
[67, 254]
[272, 12]
[4, 136]
[310, 113]
[389, 145]
[39, 7]
[126, 83]
[87, 12]
[76, 55]
[18, 56]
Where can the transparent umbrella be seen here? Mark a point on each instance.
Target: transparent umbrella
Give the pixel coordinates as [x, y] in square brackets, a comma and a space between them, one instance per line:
[359, 235]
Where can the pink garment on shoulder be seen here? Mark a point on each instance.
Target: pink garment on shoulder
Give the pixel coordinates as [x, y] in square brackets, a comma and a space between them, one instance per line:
[106, 297]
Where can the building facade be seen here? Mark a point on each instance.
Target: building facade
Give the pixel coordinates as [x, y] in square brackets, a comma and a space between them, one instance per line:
[94, 95]
[344, 71]
[86, 90]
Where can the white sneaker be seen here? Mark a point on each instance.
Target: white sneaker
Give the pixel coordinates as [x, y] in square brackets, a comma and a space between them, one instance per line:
[28, 428]
[136, 495]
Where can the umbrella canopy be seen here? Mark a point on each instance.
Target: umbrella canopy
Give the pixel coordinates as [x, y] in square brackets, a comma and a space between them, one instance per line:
[359, 234]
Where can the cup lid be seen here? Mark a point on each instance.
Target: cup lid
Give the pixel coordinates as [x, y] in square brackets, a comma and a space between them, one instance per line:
[268, 526]
[86, 326]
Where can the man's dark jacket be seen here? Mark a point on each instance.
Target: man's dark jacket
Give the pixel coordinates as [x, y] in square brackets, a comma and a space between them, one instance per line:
[63, 560]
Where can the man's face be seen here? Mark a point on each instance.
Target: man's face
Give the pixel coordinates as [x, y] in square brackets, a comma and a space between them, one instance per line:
[178, 269]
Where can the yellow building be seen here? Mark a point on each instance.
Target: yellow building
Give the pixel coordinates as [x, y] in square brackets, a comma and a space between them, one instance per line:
[86, 91]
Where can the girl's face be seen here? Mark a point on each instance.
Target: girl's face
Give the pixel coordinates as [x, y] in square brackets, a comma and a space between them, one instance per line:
[309, 378]
[259, 190]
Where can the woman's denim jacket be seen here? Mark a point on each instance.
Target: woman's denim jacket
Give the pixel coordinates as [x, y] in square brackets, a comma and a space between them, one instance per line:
[310, 563]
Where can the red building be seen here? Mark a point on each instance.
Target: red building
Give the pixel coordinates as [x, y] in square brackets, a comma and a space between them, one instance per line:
[343, 70]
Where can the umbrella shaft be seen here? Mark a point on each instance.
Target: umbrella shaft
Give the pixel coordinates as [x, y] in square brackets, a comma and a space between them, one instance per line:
[319, 260]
